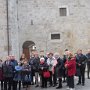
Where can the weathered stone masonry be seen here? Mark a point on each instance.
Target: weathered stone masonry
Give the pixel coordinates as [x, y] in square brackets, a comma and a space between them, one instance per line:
[36, 20]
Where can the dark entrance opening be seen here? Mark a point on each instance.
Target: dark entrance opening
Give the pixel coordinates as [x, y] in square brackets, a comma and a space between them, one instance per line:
[27, 48]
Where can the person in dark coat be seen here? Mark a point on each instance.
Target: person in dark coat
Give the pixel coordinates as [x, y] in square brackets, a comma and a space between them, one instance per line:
[36, 68]
[46, 57]
[59, 69]
[64, 61]
[13, 64]
[88, 63]
[43, 67]
[70, 65]
[31, 62]
[26, 74]
[8, 72]
[1, 74]
[81, 64]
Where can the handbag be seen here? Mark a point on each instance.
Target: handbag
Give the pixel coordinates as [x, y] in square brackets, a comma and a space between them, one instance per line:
[46, 74]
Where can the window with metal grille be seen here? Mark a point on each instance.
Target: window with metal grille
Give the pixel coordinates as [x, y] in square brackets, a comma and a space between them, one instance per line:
[63, 11]
[55, 36]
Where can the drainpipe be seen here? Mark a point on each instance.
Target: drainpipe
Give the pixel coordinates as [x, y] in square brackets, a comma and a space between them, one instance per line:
[8, 46]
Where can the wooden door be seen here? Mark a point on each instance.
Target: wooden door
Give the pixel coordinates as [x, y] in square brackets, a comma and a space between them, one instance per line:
[26, 52]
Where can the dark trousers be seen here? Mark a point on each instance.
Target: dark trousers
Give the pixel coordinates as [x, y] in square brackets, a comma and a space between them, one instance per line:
[82, 76]
[64, 75]
[50, 79]
[19, 85]
[44, 82]
[15, 85]
[2, 85]
[8, 83]
[88, 70]
[32, 75]
[70, 80]
[60, 82]
[54, 78]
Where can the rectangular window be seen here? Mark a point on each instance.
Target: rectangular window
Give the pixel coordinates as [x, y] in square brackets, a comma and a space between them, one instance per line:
[55, 36]
[63, 11]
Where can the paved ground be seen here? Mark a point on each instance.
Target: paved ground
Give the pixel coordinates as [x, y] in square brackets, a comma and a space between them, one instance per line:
[80, 87]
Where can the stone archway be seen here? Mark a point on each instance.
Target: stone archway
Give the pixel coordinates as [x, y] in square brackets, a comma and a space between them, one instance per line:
[27, 48]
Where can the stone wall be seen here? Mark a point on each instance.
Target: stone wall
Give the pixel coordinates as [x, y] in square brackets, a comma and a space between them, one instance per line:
[36, 20]
[13, 27]
[3, 30]
[39, 18]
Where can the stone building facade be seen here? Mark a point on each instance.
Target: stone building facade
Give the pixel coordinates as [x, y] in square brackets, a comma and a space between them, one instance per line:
[49, 25]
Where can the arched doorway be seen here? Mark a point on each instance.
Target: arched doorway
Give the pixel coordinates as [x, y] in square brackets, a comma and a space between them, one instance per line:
[27, 48]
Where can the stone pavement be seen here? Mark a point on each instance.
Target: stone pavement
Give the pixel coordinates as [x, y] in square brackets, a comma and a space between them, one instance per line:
[80, 87]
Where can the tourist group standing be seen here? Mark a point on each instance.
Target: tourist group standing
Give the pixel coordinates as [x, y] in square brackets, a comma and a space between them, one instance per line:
[51, 70]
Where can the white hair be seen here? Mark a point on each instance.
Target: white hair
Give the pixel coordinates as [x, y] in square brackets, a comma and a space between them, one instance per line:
[42, 59]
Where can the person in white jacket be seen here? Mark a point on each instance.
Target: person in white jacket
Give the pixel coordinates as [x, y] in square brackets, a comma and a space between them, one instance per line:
[51, 61]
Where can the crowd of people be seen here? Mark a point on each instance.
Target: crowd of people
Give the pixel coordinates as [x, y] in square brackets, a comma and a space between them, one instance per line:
[51, 69]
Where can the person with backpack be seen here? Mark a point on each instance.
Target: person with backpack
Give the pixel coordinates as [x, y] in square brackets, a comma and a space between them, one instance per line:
[8, 72]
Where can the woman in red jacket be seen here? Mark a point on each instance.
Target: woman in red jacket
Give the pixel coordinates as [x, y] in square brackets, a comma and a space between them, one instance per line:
[71, 70]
